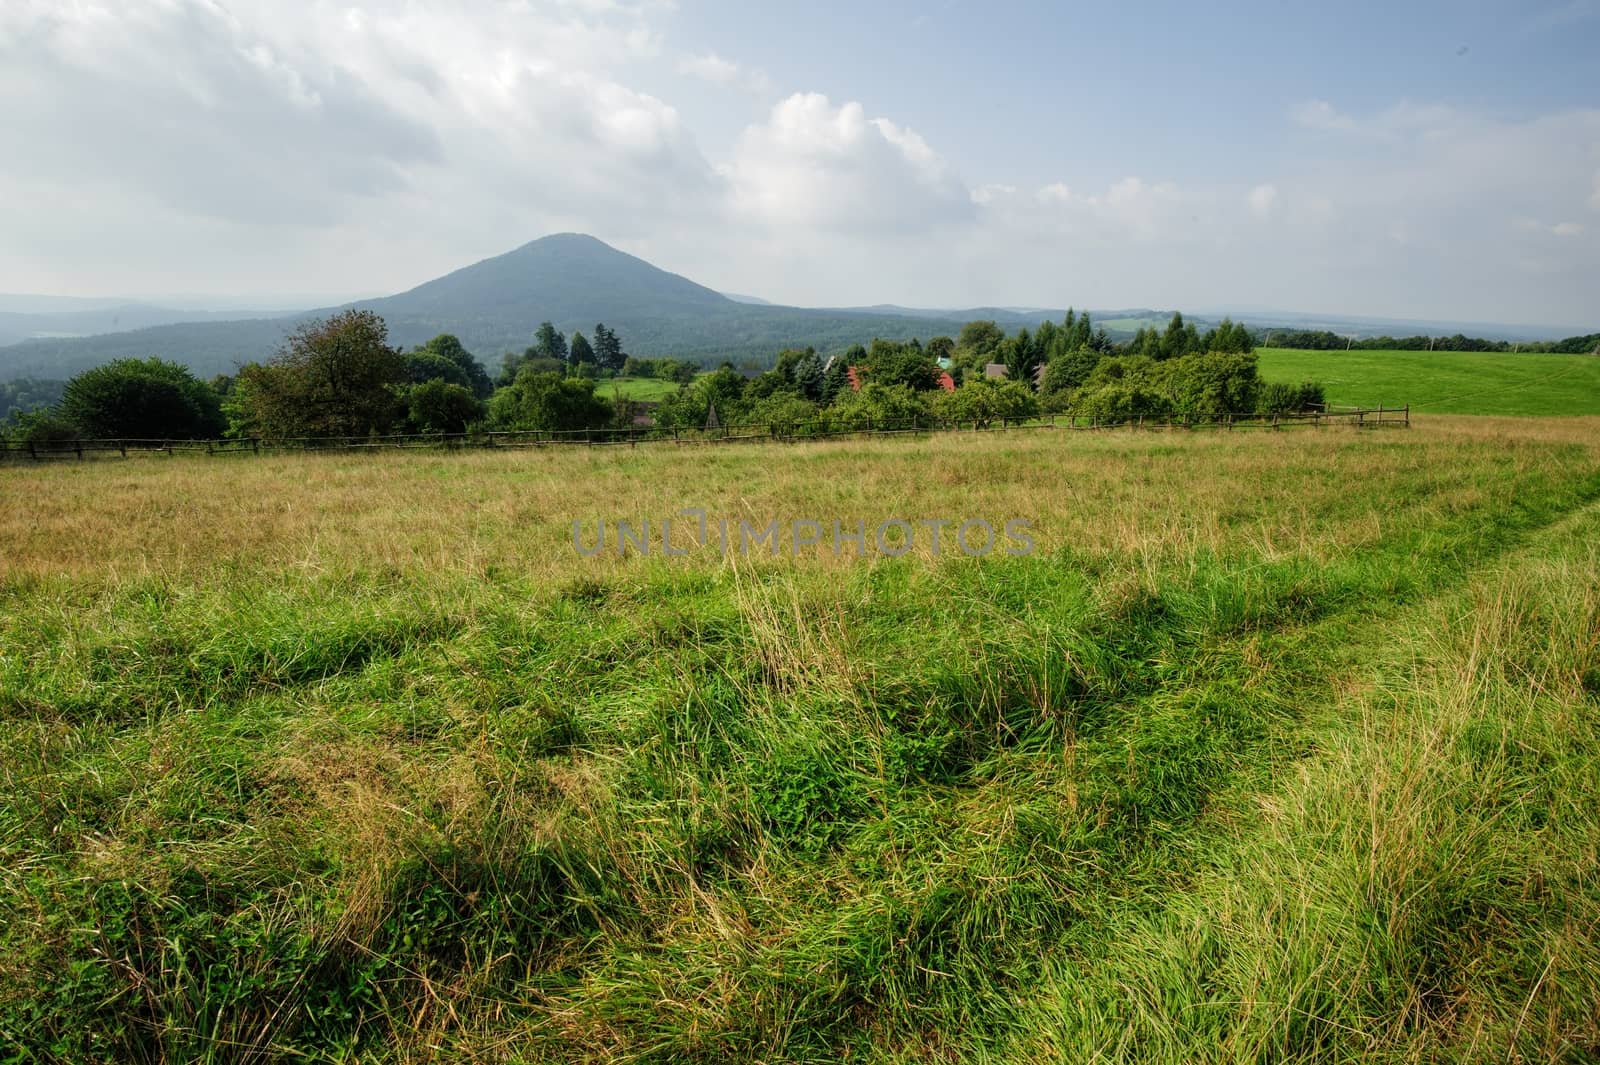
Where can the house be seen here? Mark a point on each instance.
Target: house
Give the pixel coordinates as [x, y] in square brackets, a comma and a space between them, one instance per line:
[997, 371]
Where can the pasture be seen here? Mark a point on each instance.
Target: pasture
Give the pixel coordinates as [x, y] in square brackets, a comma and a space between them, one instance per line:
[1279, 747]
[1445, 382]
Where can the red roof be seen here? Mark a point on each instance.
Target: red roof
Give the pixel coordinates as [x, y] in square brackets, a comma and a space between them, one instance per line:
[855, 378]
[947, 382]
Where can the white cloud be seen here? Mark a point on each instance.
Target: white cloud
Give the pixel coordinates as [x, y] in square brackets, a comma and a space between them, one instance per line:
[713, 68]
[1263, 201]
[811, 164]
[267, 146]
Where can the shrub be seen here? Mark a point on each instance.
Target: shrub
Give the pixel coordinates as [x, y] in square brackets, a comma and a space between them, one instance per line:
[439, 406]
[141, 398]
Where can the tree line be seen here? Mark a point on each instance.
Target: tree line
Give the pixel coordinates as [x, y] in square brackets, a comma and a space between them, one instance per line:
[1326, 340]
[335, 377]
[340, 377]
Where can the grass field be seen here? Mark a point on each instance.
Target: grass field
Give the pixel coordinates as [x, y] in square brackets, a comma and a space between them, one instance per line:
[1281, 747]
[644, 389]
[1446, 382]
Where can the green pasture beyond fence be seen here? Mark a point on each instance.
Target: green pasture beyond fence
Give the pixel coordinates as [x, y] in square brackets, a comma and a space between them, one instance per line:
[1361, 418]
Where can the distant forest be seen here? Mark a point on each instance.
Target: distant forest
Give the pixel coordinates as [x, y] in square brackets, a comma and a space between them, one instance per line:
[1324, 340]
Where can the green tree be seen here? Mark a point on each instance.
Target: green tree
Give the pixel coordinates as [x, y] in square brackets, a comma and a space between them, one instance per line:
[580, 351]
[334, 376]
[449, 347]
[1068, 370]
[550, 402]
[1174, 342]
[984, 401]
[690, 407]
[941, 348]
[438, 406]
[1215, 383]
[980, 338]
[423, 365]
[878, 406]
[142, 398]
[808, 376]
[1022, 357]
[608, 353]
[548, 343]
[836, 379]
[890, 364]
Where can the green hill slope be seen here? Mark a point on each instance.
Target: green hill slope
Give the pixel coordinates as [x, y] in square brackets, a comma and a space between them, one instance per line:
[1446, 382]
[495, 305]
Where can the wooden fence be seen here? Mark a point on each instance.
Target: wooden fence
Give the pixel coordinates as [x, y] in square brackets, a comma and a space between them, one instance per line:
[1356, 417]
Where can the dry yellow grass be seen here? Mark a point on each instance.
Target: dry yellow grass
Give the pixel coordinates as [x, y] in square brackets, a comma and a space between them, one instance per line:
[1147, 495]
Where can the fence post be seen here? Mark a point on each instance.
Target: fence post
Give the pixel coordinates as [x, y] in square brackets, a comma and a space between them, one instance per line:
[79, 444]
[32, 451]
[1408, 415]
[123, 446]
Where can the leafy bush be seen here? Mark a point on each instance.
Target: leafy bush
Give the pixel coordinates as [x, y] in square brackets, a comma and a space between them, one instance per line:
[878, 406]
[550, 402]
[1278, 397]
[439, 406]
[983, 402]
[141, 398]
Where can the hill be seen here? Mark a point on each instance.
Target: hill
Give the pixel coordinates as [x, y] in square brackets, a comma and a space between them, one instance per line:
[16, 327]
[495, 305]
[1447, 382]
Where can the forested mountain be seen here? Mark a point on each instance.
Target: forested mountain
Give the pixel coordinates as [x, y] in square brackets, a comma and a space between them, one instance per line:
[495, 305]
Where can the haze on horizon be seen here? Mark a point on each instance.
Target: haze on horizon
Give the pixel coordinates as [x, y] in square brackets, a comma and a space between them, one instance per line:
[1437, 162]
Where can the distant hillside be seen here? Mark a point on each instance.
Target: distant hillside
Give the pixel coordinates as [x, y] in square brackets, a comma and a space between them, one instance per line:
[495, 305]
[19, 325]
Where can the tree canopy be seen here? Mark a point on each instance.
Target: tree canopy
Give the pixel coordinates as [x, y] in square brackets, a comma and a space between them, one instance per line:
[141, 398]
[333, 377]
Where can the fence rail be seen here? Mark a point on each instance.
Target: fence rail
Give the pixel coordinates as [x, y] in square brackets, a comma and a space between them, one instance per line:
[1359, 417]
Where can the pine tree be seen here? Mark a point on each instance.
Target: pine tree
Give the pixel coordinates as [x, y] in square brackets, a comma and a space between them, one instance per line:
[837, 378]
[548, 343]
[608, 353]
[580, 350]
[1172, 341]
[808, 375]
[1021, 357]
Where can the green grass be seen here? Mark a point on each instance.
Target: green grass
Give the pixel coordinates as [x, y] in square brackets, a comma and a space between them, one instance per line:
[1446, 382]
[1283, 748]
[644, 389]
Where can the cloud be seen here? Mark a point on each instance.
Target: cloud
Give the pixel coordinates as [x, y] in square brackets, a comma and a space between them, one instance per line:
[713, 68]
[1263, 201]
[478, 126]
[1320, 114]
[811, 164]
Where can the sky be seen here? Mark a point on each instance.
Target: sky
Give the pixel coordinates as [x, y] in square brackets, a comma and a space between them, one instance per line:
[1421, 160]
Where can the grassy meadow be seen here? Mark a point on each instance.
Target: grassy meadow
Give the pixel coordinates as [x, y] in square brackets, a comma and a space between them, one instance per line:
[640, 389]
[1280, 747]
[1445, 382]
